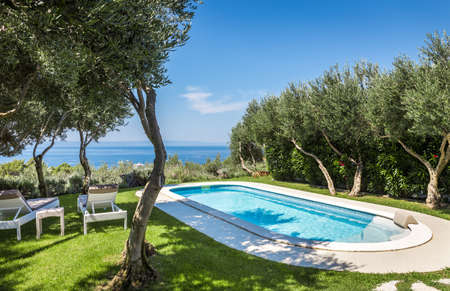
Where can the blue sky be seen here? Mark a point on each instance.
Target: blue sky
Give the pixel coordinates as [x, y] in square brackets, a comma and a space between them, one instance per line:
[240, 50]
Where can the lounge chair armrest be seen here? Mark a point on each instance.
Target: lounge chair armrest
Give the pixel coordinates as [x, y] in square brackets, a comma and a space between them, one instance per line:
[115, 207]
[18, 212]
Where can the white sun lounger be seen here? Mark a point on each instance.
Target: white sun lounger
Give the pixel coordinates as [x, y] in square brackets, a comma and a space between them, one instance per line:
[13, 203]
[100, 196]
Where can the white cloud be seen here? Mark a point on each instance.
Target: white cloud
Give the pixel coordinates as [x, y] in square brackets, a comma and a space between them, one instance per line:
[200, 101]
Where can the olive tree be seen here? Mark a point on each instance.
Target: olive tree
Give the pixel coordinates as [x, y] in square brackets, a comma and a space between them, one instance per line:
[299, 126]
[244, 139]
[413, 101]
[99, 110]
[131, 41]
[338, 102]
[243, 148]
[37, 50]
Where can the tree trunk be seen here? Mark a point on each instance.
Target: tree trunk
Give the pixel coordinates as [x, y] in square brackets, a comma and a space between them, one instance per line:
[357, 180]
[322, 168]
[136, 271]
[253, 159]
[84, 142]
[244, 167]
[433, 196]
[87, 169]
[43, 189]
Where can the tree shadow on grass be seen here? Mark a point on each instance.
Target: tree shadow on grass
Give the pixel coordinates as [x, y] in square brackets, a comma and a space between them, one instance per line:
[189, 260]
[186, 259]
[96, 278]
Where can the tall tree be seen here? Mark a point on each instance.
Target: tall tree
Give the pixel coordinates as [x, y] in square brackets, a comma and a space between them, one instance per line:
[99, 110]
[48, 124]
[338, 102]
[300, 127]
[243, 148]
[131, 41]
[413, 101]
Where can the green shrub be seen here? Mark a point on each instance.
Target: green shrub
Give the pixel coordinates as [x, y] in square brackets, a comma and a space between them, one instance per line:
[279, 162]
[13, 168]
[64, 168]
[56, 185]
[75, 183]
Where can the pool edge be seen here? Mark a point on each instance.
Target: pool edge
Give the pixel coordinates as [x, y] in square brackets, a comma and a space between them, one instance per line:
[420, 233]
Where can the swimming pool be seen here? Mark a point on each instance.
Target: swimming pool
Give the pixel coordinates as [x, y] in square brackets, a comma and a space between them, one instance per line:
[290, 218]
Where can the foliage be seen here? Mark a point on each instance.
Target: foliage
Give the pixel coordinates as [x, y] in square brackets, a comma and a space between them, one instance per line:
[69, 179]
[278, 156]
[340, 117]
[241, 144]
[13, 168]
[412, 102]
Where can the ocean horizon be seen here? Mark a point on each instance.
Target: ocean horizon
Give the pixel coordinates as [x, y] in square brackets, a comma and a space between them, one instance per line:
[111, 153]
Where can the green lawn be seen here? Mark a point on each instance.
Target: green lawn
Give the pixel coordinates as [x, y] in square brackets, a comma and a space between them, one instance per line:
[186, 260]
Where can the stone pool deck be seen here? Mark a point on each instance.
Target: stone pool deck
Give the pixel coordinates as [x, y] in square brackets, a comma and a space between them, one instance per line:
[431, 256]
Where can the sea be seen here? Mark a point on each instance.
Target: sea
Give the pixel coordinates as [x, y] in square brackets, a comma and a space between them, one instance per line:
[111, 153]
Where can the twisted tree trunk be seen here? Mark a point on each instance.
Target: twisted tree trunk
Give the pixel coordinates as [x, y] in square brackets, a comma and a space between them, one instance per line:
[357, 180]
[136, 270]
[84, 142]
[38, 158]
[87, 169]
[243, 166]
[322, 168]
[43, 189]
[433, 196]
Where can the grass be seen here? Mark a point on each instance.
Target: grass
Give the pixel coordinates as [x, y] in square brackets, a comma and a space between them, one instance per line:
[186, 260]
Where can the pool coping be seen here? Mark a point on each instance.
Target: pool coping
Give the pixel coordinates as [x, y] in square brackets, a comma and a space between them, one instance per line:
[420, 233]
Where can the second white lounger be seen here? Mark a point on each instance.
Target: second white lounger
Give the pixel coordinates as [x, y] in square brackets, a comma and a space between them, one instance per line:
[100, 196]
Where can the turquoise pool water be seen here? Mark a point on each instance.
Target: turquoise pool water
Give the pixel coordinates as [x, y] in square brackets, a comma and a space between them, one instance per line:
[293, 216]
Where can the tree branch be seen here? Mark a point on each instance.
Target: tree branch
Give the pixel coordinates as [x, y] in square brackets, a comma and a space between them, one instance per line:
[142, 106]
[22, 95]
[56, 133]
[335, 149]
[445, 154]
[242, 160]
[416, 155]
[41, 135]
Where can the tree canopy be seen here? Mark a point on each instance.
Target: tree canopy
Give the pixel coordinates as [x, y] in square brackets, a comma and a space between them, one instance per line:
[413, 101]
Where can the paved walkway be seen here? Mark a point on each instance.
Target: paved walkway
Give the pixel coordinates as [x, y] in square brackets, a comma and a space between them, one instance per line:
[416, 286]
[433, 255]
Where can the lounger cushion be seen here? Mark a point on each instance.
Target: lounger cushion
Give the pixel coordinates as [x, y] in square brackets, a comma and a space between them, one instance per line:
[10, 194]
[40, 202]
[101, 189]
[14, 194]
